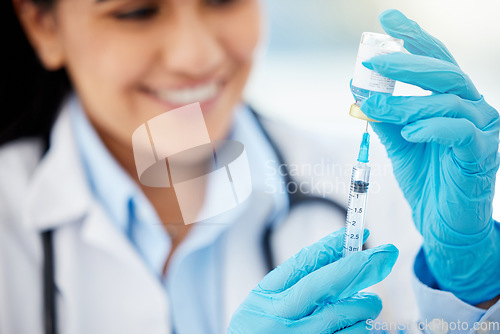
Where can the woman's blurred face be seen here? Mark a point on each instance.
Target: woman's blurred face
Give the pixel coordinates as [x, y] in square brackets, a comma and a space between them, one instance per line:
[130, 60]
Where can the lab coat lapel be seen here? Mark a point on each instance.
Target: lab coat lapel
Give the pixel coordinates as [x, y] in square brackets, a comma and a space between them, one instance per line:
[103, 286]
[58, 192]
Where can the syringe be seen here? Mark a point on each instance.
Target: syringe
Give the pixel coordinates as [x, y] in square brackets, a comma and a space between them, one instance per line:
[355, 221]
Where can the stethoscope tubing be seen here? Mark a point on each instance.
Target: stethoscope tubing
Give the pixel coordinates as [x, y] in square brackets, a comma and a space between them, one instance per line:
[49, 287]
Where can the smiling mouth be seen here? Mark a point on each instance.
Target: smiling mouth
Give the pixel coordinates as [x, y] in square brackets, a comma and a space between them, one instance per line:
[179, 97]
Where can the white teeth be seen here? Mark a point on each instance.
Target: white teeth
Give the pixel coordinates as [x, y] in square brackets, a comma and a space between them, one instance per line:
[189, 95]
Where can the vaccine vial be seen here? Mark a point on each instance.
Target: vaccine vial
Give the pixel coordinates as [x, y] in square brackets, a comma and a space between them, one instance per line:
[366, 82]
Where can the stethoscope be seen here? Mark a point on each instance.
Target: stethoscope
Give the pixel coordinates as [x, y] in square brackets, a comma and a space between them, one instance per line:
[297, 199]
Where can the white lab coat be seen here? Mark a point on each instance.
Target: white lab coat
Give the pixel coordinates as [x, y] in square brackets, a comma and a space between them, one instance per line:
[104, 286]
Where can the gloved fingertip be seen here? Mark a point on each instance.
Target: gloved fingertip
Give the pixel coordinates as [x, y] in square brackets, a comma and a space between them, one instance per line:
[368, 65]
[391, 16]
[366, 105]
[393, 20]
[389, 251]
[366, 233]
[405, 134]
[371, 300]
[391, 248]
[388, 64]
[364, 294]
[376, 303]
[409, 132]
[372, 104]
[335, 235]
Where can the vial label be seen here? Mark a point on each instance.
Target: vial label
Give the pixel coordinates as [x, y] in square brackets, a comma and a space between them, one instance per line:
[367, 79]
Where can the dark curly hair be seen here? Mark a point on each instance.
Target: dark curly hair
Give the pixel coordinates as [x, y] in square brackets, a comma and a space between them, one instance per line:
[30, 95]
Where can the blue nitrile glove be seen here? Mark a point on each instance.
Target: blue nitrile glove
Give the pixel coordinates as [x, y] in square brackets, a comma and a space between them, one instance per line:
[317, 291]
[444, 151]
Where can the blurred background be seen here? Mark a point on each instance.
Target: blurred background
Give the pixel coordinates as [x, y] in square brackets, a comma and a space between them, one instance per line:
[303, 70]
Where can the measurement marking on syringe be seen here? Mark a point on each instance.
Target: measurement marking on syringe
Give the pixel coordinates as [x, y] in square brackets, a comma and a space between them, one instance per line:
[355, 219]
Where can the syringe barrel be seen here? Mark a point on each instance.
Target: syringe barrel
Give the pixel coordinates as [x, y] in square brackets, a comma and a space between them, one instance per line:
[361, 172]
[355, 220]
